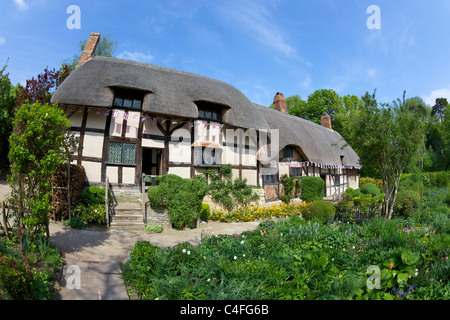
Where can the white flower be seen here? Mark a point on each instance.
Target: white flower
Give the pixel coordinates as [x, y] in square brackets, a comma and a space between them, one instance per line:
[184, 250]
[243, 255]
[208, 279]
[242, 242]
[353, 247]
[188, 252]
[235, 257]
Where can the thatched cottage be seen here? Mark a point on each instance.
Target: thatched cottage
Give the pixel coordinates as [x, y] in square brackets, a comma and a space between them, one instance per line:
[135, 119]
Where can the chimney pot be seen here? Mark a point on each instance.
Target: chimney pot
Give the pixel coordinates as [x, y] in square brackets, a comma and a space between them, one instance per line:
[279, 102]
[89, 48]
[325, 121]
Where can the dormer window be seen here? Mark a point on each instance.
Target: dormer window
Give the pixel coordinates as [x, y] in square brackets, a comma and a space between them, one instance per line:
[209, 111]
[127, 98]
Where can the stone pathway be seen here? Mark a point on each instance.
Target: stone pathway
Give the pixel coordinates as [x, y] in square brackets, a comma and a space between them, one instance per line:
[93, 257]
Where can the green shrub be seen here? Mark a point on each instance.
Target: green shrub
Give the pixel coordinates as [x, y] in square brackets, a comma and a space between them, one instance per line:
[363, 181]
[370, 188]
[91, 214]
[205, 211]
[312, 188]
[414, 196]
[75, 222]
[93, 195]
[183, 198]
[322, 210]
[16, 282]
[153, 228]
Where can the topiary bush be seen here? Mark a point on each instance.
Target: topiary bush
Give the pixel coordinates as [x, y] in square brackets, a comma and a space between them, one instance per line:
[93, 195]
[205, 212]
[312, 188]
[322, 210]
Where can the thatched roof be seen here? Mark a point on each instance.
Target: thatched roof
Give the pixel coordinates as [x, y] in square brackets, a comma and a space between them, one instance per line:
[172, 92]
[319, 144]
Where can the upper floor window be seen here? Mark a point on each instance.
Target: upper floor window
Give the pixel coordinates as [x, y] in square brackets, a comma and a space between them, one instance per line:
[126, 98]
[288, 152]
[209, 111]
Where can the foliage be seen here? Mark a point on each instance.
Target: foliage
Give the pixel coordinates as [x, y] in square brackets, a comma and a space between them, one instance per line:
[40, 89]
[153, 228]
[390, 136]
[370, 188]
[321, 210]
[93, 195]
[90, 214]
[75, 222]
[37, 147]
[205, 212]
[311, 188]
[364, 180]
[291, 258]
[289, 186]
[183, 198]
[7, 103]
[251, 213]
[226, 191]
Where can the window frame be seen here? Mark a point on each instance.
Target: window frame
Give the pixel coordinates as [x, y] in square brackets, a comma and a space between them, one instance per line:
[122, 163]
[215, 113]
[134, 96]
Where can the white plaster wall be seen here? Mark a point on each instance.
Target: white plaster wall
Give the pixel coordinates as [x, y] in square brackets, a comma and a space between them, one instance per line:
[150, 128]
[93, 144]
[251, 176]
[132, 124]
[93, 171]
[116, 123]
[128, 175]
[112, 172]
[76, 119]
[96, 121]
[150, 143]
[184, 172]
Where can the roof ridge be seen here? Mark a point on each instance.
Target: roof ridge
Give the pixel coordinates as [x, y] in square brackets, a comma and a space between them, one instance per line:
[160, 68]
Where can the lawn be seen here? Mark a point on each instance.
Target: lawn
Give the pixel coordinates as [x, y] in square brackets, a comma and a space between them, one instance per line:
[291, 258]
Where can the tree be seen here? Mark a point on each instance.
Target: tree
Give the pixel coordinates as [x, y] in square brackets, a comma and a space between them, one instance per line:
[39, 89]
[40, 133]
[7, 102]
[389, 136]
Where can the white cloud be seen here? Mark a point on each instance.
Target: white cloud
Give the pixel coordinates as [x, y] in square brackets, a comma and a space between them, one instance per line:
[439, 93]
[256, 19]
[136, 56]
[2, 41]
[371, 73]
[21, 4]
[306, 84]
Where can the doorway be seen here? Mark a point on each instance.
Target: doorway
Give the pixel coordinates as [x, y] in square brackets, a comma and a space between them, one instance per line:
[151, 161]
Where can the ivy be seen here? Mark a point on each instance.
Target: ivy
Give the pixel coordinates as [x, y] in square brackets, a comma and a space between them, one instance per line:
[226, 191]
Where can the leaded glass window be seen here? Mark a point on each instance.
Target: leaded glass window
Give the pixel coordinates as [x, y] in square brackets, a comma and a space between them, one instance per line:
[121, 153]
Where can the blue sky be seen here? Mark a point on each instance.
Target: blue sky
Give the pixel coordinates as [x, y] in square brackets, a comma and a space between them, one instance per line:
[260, 47]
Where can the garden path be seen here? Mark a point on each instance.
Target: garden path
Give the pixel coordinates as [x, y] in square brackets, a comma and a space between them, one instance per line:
[99, 253]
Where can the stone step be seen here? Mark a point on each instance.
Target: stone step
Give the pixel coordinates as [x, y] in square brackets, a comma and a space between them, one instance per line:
[131, 226]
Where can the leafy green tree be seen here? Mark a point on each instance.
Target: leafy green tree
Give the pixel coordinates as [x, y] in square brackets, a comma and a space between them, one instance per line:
[7, 103]
[38, 145]
[388, 136]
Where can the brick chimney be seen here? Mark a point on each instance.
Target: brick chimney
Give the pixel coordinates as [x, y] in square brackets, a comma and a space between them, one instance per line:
[325, 121]
[279, 103]
[89, 48]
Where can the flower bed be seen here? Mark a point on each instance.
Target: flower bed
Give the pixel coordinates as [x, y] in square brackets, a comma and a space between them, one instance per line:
[251, 213]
